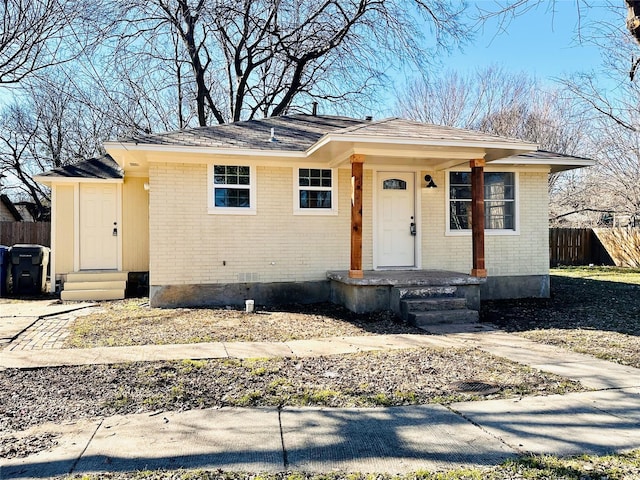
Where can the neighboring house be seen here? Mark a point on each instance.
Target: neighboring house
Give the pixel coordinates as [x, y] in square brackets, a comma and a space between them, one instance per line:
[8, 210]
[273, 209]
[22, 211]
[30, 212]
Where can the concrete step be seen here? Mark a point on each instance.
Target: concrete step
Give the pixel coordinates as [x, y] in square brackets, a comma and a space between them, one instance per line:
[425, 292]
[96, 276]
[438, 317]
[95, 294]
[102, 285]
[430, 304]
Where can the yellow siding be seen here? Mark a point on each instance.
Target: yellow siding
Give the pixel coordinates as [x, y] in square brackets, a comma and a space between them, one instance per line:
[135, 225]
[64, 234]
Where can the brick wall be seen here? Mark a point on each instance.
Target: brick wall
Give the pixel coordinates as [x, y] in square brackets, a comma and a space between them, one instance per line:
[525, 253]
[188, 245]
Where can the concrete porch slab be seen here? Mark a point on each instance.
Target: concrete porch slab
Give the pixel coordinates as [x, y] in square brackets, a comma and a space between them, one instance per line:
[405, 278]
[386, 289]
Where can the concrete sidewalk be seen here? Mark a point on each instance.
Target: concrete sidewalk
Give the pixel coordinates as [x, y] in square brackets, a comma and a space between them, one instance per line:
[393, 440]
[16, 317]
[146, 353]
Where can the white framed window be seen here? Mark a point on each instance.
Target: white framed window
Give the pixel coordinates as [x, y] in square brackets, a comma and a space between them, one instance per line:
[232, 189]
[500, 202]
[315, 191]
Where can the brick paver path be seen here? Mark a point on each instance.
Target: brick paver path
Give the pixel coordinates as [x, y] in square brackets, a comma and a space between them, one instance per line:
[48, 332]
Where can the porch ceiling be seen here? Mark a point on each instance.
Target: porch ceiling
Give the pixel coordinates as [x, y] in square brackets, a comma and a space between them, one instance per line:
[434, 157]
[438, 156]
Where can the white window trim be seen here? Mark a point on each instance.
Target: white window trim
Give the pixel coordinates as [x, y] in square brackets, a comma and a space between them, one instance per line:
[315, 211]
[487, 231]
[211, 207]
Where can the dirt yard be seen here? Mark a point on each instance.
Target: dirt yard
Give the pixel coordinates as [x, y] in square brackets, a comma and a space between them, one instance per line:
[591, 310]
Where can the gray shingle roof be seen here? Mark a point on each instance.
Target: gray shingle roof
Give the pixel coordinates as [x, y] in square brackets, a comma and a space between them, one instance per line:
[408, 129]
[103, 167]
[545, 155]
[300, 132]
[291, 132]
[296, 133]
[11, 207]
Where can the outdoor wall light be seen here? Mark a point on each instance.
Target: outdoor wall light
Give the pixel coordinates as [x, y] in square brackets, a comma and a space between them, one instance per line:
[430, 182]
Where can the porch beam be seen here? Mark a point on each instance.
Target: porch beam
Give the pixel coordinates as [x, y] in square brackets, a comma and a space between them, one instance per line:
[477, 217]
[355, 269]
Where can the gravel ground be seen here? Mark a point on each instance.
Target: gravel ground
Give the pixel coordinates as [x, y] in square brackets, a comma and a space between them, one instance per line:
[585, 314]
[133, 322]
[417, 376]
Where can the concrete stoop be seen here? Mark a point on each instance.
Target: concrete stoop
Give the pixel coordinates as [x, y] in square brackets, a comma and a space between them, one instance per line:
[94, 285]
[434, 305]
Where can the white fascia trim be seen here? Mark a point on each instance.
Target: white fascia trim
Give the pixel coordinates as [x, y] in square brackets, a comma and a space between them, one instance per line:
[67, 180]
[525, 146]
[551, 162]
[206, 150]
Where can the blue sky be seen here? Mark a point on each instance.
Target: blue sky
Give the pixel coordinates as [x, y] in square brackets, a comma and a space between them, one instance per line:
[542, 42]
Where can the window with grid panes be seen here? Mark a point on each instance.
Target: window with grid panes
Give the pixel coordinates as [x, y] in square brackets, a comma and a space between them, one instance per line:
[315, 188]
[232, 186]
[499, 201]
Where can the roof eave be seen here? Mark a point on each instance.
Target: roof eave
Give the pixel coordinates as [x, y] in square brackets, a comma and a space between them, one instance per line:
[203, 150]
[419, 142]
[49, 180]
[558, 164]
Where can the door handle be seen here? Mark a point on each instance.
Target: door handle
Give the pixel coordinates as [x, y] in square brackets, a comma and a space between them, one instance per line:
[115, 229]
[412, 229]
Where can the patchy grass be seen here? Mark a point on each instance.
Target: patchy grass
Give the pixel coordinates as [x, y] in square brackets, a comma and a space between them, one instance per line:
[368, 379]
[133, 322]
[592, 310]
[625, 466]
[608, 274]
[611, 346]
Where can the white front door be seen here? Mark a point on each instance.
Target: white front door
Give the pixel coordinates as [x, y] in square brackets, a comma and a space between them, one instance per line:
[99, 229]
[395, 216]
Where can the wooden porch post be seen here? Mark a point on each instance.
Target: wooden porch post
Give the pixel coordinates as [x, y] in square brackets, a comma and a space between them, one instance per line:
[355, 270]
[477, 217]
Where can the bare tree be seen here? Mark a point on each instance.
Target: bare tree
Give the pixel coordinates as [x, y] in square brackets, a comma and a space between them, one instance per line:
[512, 105]
[37, 34]
[463, 101]
[495, 101]
[47, 127]
[241, 59]
[607, 97]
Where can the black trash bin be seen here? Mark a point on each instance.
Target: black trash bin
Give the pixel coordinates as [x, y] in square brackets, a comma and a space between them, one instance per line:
[4, 269]
[29, 268]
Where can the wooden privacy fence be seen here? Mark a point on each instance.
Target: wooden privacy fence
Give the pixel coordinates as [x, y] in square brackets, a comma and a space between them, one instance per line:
[38, 233]
[623, 244]
[576, 246]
